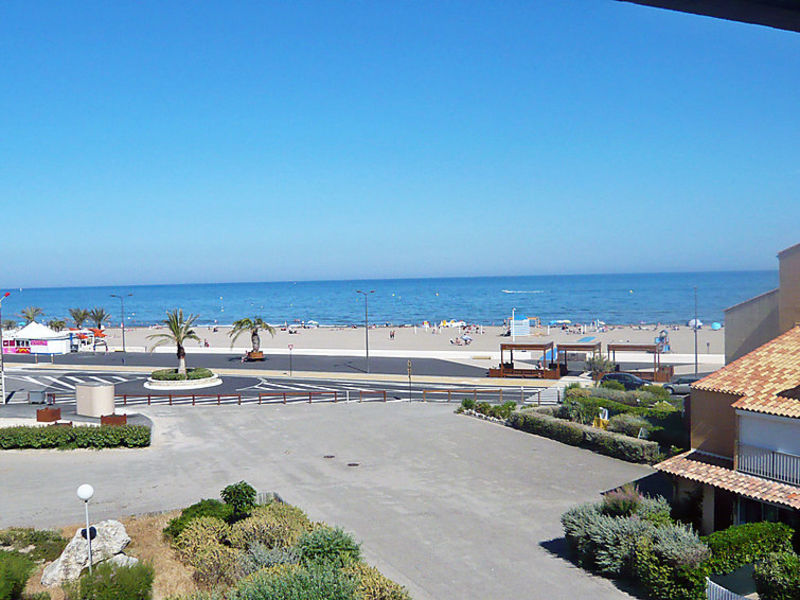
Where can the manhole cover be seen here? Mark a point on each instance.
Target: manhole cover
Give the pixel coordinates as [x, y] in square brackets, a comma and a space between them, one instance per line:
[329, 456]
[352, 464]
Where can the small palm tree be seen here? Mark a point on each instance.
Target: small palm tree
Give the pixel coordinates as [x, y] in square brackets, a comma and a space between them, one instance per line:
[252, 325]
[30, 313]
[99, 316]
[179, 331]
[56, 324]
[79, 315]
[599, 365]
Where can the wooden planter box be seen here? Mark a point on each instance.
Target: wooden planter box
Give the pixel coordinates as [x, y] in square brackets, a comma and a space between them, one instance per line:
[115, 420]
[61, 424]
[259, 355]
[48, 415]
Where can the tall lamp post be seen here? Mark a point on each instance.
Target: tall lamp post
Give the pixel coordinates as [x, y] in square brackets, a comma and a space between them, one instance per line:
[2, 365]
[695, 330]
[122, 304]
[85, 493]
[366, 322]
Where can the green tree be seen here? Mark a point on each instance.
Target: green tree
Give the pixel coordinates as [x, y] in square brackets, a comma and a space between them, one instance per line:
[179, 331]
[9, 324]
[242, 497]
[98, 316]
[599, 365]
[56, 324]
[253, 326]
[29, 313]
[79, 315]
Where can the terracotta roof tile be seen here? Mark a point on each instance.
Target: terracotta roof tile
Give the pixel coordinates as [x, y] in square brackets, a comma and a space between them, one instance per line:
[697, 466]
[765, 378]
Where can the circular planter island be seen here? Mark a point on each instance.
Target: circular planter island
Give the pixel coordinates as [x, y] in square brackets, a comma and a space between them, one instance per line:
[170, 380]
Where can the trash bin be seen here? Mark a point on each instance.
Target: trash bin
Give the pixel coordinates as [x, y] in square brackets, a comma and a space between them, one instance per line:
[36, 397]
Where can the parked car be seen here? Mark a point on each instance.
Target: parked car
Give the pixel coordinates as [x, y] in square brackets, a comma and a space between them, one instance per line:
[681, 385]
[631, 382]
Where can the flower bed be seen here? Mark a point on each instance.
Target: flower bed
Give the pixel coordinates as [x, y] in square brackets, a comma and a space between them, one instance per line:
[173, 375]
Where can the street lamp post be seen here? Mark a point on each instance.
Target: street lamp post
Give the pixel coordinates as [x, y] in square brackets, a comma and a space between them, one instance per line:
[2, 365]
[695, 330]
[122, 305]
[513, 313]
[366, 322]
[85, 493]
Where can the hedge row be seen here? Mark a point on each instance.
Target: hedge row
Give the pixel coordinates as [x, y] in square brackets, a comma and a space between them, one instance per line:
[575, 434]
[65, 438]
[737, 546]
[777, 576]
[173, 375]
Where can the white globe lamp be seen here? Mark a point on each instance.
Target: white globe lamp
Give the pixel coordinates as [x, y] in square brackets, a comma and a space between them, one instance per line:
[85, 493]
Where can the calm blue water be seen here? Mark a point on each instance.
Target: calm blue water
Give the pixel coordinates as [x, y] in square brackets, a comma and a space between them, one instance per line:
[649, 297]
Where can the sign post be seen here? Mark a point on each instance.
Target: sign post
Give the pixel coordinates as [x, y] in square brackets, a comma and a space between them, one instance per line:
[409, 380]
[291, 347]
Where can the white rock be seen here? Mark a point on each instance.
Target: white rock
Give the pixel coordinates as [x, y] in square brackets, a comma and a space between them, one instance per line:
[123, 560]
[111, 539]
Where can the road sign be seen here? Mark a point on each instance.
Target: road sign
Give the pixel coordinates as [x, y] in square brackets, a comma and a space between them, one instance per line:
[409, 368]
[291, 346]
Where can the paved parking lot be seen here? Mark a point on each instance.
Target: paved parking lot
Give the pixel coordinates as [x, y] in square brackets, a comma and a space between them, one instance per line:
[448, 505]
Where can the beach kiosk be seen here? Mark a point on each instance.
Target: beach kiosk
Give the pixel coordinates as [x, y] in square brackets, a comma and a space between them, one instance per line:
[659, 374]
[546, 371]
[36, 338]
[585, 348]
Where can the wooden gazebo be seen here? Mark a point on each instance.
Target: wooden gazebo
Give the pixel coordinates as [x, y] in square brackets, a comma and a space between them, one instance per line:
[660, 374]
[507, 369]
[587, 347]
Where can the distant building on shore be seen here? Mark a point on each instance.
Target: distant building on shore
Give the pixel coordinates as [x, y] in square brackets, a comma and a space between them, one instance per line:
[758, 320]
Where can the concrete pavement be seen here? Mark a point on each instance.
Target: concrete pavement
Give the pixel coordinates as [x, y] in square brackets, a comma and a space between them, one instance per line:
[450, 506]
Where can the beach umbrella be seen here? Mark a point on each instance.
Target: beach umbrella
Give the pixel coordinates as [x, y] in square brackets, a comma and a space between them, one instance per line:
[695, 323]
[716, 326]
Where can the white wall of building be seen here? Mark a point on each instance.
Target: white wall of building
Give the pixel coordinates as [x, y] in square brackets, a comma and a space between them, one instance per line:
[767, 431]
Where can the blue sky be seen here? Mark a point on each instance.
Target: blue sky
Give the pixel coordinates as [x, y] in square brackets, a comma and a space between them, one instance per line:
[157, 142]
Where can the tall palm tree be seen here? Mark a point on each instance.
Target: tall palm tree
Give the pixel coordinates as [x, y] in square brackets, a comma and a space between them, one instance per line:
[98, 316]
[79, 315]
[179, 331]
[30, 313]
[253, 326]
[56, 324]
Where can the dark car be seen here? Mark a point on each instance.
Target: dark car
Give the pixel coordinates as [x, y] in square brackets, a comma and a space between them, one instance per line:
[631, 382]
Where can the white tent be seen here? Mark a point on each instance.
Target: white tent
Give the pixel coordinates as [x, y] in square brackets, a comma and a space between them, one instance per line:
[37, 331]
[36, 338]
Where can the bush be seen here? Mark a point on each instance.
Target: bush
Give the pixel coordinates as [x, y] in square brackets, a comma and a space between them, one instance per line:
[663, 581]
[47, 544]
[373, 585]
[109, 582]
[657, 390]
[628, 424]
[574, 434]
[259, 556]
[173, 375]
[241, 497]
[328, 545]
[777, 576]
[217, 565]
[15, 569]
[679, 546]
[468, 404]
[622, 502]
[67, 438]
[200, 534]
[577, 522]
[204, 508]
[654, 510]
[743, 544]
[317, 582]
[613, 385]
[613, 541]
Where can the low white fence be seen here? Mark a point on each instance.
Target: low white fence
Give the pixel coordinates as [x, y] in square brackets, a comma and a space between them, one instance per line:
[715, 591]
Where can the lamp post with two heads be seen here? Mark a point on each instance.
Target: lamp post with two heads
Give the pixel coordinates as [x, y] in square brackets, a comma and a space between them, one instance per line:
[366, 322]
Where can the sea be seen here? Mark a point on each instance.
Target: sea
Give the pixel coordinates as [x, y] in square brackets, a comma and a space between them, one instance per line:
[613, 298]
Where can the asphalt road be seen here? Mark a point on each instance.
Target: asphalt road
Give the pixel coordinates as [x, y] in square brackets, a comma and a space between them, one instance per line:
[448, 505]
[277, 362]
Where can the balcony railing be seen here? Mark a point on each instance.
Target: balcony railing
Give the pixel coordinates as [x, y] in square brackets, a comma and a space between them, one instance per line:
[769, 464]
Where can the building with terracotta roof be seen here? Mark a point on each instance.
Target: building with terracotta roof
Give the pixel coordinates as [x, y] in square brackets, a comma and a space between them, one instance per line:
[756, 321]
[745, 438]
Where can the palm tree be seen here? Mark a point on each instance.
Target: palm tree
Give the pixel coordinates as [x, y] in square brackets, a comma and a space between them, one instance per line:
[99, 316]
[30, 313]
[56, 324]
[179, 331]
[599, 365]
[251, 325]
[79, 315]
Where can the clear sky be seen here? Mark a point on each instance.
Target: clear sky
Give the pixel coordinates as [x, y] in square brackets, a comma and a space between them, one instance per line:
[158, 142]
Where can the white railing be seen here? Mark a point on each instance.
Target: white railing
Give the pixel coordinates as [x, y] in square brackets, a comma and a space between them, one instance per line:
[715, 591]
[769, 464]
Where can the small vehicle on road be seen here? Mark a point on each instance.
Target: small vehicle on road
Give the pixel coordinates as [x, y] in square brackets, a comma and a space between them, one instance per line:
[682, 385]
[631, 382]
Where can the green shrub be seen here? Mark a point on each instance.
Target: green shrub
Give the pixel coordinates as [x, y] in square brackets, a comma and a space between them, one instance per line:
[328, 545]
[217, 565]
[613, 385]
[503, 411]
[317, 582]
[664, 581]
[15, 569]
[241, 497]
[655, 510]
[373, 585]
[576, 392]
[47, 544]
[657, 390]
[628, 424]
[109, 582]
[204, 508]
[200, 534]
[67, 438]
[574, 434]
[743, 544]
[622, 502]
[575, 385]
[777, 576]
[577, 522]
[259, 556]
[173, 375]
[613, 542]
[468, 404]
[679, 546]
